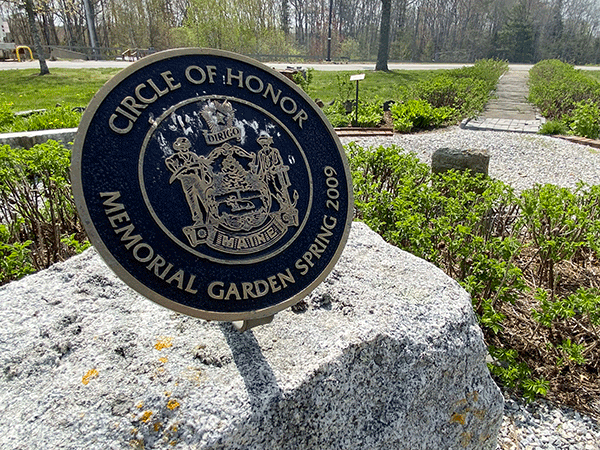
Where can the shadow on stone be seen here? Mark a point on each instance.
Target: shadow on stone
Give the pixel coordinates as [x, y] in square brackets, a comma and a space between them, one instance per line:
[258, 375]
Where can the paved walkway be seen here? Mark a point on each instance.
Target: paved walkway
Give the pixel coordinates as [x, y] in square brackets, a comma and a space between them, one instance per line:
[509, 110]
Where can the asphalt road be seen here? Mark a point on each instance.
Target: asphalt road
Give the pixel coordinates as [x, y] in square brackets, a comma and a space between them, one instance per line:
[79, 64]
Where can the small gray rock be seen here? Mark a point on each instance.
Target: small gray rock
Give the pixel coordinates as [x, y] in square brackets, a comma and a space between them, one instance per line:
[475, 160]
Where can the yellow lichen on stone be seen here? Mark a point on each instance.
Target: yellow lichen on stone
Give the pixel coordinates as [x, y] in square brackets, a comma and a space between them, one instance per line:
[90, 375]
[458, 418]
[163, 359]
[157, 426]
[146, 416]
[163, 342]
[172, 404]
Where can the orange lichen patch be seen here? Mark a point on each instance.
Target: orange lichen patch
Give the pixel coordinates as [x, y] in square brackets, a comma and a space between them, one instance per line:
[163, 342]
[167, 393]
[90, 375]
[172, 404]
[163, 360]
[146, 416]
[140, 405]
[458, 418]
[157, 426]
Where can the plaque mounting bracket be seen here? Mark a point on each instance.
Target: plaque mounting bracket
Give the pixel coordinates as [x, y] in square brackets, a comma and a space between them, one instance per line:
[244, 325]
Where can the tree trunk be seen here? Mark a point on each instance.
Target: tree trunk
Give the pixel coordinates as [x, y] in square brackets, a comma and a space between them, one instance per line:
[36, 37]
[384, 36]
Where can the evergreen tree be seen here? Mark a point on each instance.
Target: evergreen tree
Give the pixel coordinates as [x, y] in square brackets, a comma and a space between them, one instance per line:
[516, 38]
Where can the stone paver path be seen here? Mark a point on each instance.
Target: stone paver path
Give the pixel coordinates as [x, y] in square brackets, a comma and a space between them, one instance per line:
[509, 110]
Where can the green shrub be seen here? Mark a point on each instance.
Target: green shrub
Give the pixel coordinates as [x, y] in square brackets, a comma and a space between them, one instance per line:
[556, 88]
[465, 95]
[557, 220]
[516, 374]
[59, 117]
[448, 96]
[553, 127]
[304, 80]
[37, 208]
[336, 114]
[584, 304]
[370, 114]
[584, 120]
[419, 114]
[15, 257]
[486, 70]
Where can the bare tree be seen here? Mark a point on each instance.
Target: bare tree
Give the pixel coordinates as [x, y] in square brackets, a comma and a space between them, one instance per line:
[36, 37]
[384, 36]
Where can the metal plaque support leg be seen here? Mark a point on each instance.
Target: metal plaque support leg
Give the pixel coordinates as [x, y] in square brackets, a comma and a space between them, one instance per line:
[243, 325]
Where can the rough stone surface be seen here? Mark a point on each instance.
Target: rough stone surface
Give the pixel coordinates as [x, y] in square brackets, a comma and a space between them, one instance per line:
[445, 159]
[385, 354]
[27, 139]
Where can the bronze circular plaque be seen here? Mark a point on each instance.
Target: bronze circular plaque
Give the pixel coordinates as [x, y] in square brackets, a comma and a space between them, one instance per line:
[211, 184]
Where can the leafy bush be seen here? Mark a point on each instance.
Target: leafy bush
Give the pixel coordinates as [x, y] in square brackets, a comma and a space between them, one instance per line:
[37, 208]
[336, 114]
[584, 120]
[305, 79]
[486, 70]
[448, 96]
[515, 374]
[465, 95]
[15, 257]
[553, 127]
[436, 101]
[419, 114]
[370, 114]
[556, 220]
[59, 117]
[556, 88]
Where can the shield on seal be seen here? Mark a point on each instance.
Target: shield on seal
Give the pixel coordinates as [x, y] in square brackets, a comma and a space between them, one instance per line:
[241, 195]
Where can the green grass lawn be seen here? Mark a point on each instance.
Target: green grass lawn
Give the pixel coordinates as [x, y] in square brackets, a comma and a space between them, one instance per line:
[327, 86]
[26, 89]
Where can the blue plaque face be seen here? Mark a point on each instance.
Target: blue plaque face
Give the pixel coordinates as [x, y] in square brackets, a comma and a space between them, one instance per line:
[211, 184]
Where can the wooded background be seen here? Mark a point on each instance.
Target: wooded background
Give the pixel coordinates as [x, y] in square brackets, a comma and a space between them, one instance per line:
[520, 31]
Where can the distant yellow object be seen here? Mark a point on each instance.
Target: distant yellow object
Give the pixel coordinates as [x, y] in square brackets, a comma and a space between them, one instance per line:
[23, 47]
